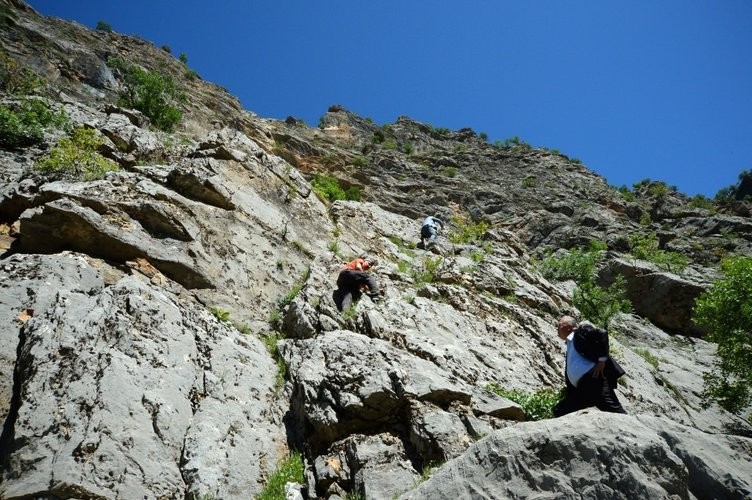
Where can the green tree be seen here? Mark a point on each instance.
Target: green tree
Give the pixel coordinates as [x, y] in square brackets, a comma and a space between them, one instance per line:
[152, 93]
[596, 303]
[726, 310]
[104, 26]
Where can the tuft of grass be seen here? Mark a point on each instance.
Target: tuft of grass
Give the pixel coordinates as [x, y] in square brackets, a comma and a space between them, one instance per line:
[404, 266]
[76, 156]
[222, 315]
[275, 319]
[270, 340]
[648, 356]
[537, 405]
[289, 470]
[428, 270]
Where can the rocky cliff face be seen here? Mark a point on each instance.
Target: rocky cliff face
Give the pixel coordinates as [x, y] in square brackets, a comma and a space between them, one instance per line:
[117, 381]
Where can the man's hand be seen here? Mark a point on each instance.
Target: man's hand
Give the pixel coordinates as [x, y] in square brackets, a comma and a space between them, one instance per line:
[598, 370]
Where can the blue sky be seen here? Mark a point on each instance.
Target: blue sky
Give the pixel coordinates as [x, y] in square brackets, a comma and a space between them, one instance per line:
[640, 89]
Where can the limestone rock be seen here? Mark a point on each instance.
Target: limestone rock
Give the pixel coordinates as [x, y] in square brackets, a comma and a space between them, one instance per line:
[596, 455]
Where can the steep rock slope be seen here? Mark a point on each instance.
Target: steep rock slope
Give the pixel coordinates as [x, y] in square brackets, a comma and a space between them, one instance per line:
[117, 380]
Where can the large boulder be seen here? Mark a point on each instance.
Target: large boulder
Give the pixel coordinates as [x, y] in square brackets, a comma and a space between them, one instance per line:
[590, 454]
[129, 390]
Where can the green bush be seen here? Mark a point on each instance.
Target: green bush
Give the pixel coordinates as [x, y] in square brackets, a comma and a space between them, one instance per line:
[427, 271]
[449, 171]
[104, 26]
[24, 126]
[646, 247]
[626, 193]
[329, 188]
[578, 265]
[465, 230]
[150, 92]
[701, 201]
[726, 310]
[289, 470]
[513, 143]
[76, 156]
[537, 405]
[596, 303]
[16, 79]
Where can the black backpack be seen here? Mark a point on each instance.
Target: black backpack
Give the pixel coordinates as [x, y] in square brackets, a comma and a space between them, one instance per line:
[591, 342]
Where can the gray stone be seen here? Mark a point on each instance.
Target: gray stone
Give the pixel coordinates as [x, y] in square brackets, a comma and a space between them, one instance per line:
[595, 455]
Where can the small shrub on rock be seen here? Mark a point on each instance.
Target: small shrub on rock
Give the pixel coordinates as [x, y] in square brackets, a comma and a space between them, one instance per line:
[330, 189]
[151, 92]
[465, 230]
[289, 470]
[537, 405]
[77, 157]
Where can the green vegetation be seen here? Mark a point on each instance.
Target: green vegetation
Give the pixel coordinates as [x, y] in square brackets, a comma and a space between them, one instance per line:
[104, 26]
[529, 181]
[477, 256]
[222, 315]
[726, 310]
[646, 247]
[466, 231]
[626, 193]
[270, 340]
[648, 356]
[151, 92]
[289, 470]
[449, 171]
[389, 144]
[24, 125]
[16, 79]
[700, 201]
[654, 189]
[730, 192]
[183, 58]
[283, 302]
[596, 303]
[645, 219]
[537, 406]
[427, 271]
[76, 156]
[330, 188]
[514, 143]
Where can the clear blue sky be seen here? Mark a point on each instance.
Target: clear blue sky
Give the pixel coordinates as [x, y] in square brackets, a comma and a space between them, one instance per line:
[638, 89]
